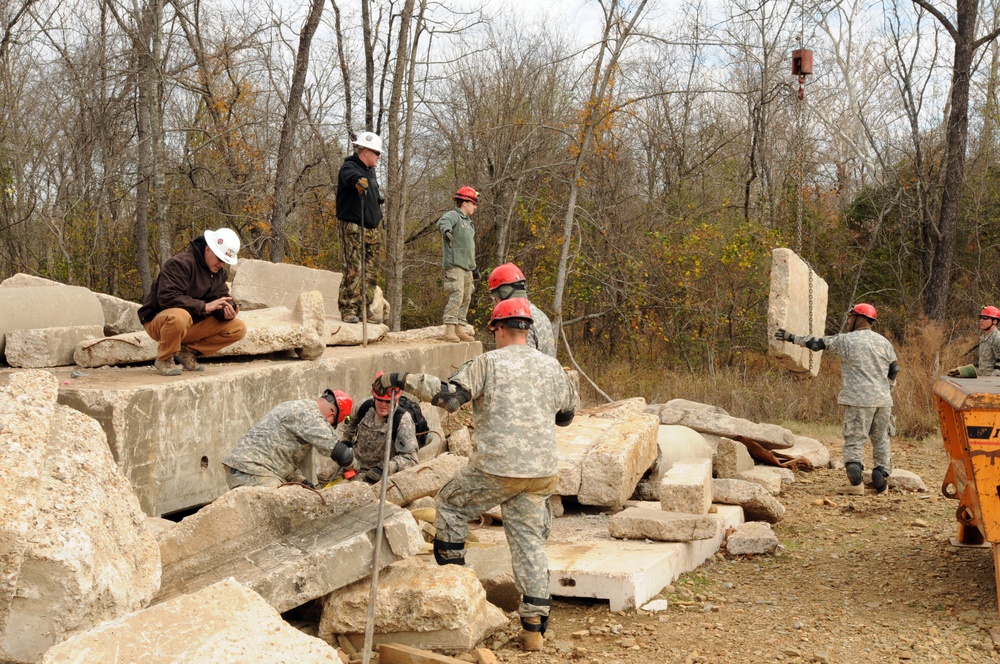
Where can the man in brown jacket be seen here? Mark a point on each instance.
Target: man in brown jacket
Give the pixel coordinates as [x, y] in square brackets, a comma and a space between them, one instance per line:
[189, 309]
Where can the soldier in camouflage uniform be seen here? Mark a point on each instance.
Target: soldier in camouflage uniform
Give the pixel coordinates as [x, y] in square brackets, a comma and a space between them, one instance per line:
[989, 342]
[869, 371]
[366, 435]
[518, 396]
[269, 453]
[359, 209]
[507, 281]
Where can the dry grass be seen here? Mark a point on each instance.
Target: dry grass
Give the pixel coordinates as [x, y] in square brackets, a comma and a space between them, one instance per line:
[763, 392]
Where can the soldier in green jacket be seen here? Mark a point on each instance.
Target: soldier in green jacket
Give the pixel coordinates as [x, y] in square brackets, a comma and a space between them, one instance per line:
[458, 244]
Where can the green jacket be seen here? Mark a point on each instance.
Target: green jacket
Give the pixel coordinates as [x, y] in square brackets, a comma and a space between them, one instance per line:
[462, 250]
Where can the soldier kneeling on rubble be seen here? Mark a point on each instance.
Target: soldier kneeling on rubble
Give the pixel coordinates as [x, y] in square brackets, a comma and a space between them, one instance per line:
[269, 453]
[365, 432]
[518, 396]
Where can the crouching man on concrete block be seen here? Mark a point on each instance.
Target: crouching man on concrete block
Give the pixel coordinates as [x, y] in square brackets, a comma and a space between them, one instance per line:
[189, 309]
[518, 396]
[269, 453]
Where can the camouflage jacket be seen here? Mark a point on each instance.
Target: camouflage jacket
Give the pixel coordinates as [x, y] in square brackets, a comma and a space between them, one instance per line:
[866, 356]
[541, 335]
[368, 438]
[989, 353]
[280, 440]
[516, 393]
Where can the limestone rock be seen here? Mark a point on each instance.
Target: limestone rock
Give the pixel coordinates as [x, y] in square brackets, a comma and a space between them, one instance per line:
[460, 442]
[687, 487]
[765, 476]
[21, 280]
[556, 505]
[421, 334]
[47, 346]
[797, 293]
[641, 524]
[618, 410]
[770, 436]
[811, 449]
[440, 608]
[493, 566]
[224, 623]
[338, 333]
[685, 404]
[756, 502]
[424, 479]
[573, 442]
[436, 443]
[30, 307]
[120, 316]
[613, 466]
[378, 308]
[673, 443]
[731, 456]
[288, 544]
[263, 284]
[76, 549]
[901, 480]
[753, 538]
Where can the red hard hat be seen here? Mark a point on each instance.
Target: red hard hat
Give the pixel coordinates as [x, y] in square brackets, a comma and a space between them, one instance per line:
[342, 401]
[467, 194]
[391, 394]
[505, 274]
[866, 310]
[992, 312]
[513, 309]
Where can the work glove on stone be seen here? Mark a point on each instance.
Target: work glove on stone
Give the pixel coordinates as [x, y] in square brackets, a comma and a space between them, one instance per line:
[374, 474]
[784, 335]
[361, 185]
[447, 238]
[387, 381]
[967, 371]
[476, 274]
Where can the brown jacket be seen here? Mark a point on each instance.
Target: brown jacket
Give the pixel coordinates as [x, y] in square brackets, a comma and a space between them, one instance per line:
[185, 282]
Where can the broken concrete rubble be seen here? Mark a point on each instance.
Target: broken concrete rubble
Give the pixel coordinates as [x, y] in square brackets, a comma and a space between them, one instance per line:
[753, 538]
[756, 502]
[424, 479]
[901, 480]
[421, 334]
[618, 410]
[339, 333]
[76, 548]
[47, 346]
[614, 465]
[420, 604]
[813, 451]
[460, 442]
[797, 303]
[763, 476]
[290, 544]
[687, 487]
[120, 316]
[730, 458]
[263, 284]
[225, 623]
[770, 436]
[674, 443]
[657, 525]
[492, 564]
[33, 307]
[685, 404]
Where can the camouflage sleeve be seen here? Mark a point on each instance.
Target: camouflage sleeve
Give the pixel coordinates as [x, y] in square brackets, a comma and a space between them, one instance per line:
[571, 402]
[472, 375]
[835, 343]
[313, 429]
[405, 445]
[423, 386]
[349, 429]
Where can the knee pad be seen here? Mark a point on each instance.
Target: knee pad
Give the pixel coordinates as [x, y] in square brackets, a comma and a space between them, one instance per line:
[880, 479]
[440, 547]
[854, 469]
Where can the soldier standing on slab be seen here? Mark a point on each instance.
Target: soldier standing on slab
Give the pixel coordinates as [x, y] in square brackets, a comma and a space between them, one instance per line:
[357, 194]
[269, 453]
[507, 281]
[518, 397]
[869, 371]
[458, 246]
[989, 342]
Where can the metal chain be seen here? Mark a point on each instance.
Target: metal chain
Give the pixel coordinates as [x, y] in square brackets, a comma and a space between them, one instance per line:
[810, 314]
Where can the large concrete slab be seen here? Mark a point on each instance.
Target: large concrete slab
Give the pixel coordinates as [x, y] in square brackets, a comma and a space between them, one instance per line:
[47, 346]
[614, 465]
[169, 435]
[644, 523]
[572, 444]
[225, 623]
[33, 307]
[291, 545]
[261, 284]
[797, 303]
[687, 487]
[628, 573]
[674, 443]
[705, 420]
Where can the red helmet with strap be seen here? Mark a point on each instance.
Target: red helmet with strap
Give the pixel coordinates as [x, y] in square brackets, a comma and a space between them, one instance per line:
[467, 194]
[388, 395]
[866, 310]
[512, 312]
[505, 275]
[342, 401]
[992, 312]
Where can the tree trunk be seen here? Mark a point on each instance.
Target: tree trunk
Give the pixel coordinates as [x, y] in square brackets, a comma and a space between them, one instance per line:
[283, 167]
[369, 45]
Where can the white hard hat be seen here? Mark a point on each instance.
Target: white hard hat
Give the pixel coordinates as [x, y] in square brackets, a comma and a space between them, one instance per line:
[224, 243]
[370, 140]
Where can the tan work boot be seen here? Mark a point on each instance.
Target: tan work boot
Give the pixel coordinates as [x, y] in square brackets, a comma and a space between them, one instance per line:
[462, 334]
[449, 334]
[532, 641]
[852, 490]
[167, 367]
[188, 359]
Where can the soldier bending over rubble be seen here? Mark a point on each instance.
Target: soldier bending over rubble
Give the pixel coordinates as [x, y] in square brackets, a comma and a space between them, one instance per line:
[869, 371]
[518, 396]
[269, 453]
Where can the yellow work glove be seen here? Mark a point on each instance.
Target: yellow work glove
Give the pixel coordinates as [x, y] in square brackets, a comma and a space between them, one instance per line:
[361, 185]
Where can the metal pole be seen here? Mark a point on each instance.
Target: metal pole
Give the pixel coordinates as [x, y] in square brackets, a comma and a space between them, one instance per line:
[364, 282]
[376, 558]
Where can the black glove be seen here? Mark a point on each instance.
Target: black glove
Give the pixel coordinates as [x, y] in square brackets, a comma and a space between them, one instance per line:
[387, 381]
[782, 335]
[307, 483]
[447, 238]
[361, 185]
[451, 397]
[342, 454]
[476, 274]
[373, 475]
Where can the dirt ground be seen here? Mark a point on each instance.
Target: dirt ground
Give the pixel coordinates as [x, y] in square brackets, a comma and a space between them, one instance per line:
[858, 579]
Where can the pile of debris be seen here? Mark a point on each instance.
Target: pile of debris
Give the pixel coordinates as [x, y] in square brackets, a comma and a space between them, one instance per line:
[646, 493]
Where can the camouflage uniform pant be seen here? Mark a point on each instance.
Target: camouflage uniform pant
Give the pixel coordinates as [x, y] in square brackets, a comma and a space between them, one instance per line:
[235, 478]
[527, 518]
[459, 285]
[350, 287]
[862, 423]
